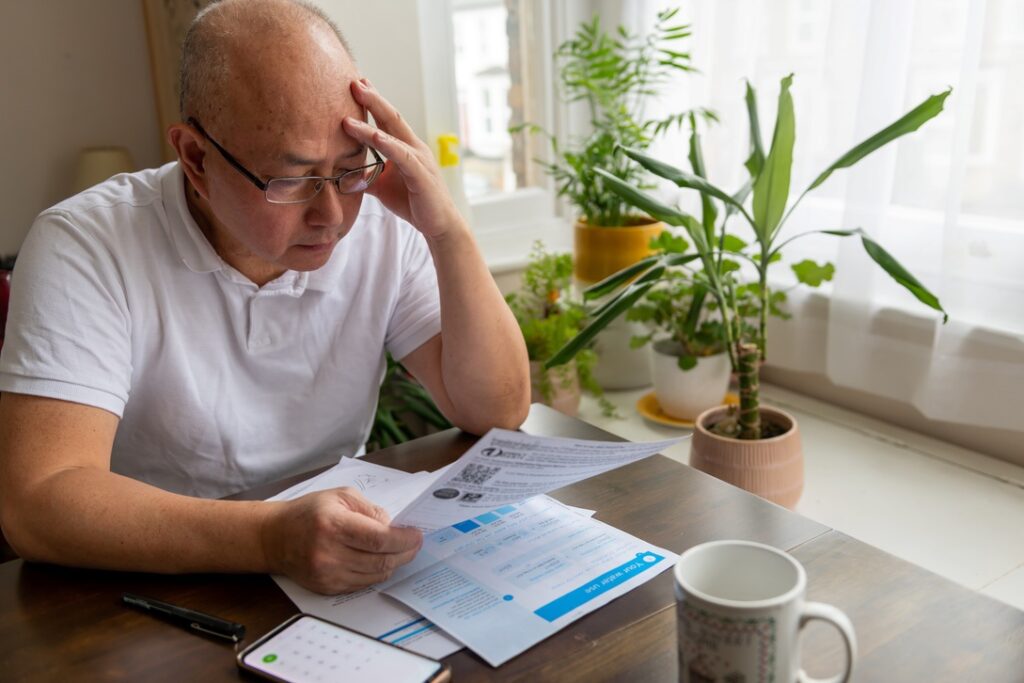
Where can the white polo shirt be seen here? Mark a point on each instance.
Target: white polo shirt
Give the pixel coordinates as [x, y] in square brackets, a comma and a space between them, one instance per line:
[119, 302]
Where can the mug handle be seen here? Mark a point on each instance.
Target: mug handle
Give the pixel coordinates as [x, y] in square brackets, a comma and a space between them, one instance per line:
[834, 616]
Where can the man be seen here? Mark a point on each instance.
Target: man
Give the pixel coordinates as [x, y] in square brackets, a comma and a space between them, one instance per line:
[194, 330]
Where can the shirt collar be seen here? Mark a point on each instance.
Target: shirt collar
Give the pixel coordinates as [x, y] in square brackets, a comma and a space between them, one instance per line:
[196, 252]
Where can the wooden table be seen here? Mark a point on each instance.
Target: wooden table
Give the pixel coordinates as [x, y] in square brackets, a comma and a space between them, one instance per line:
[69, 625]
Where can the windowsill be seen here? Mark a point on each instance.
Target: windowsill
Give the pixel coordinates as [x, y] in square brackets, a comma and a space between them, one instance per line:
[797, 343]
[507, 248]
[942, 507]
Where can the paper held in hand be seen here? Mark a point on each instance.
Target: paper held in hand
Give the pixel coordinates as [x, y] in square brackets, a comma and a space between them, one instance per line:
[506, 467]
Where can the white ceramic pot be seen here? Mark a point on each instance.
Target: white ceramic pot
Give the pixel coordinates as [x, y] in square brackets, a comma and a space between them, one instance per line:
[619, 366]
[685, 394]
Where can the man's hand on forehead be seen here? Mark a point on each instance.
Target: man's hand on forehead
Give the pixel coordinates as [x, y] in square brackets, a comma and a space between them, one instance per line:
[411, 185]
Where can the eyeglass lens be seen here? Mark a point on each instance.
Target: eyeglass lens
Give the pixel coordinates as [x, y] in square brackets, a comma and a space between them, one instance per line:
[293, 190]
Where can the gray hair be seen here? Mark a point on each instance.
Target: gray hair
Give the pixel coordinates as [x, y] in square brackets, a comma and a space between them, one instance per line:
[204, 62]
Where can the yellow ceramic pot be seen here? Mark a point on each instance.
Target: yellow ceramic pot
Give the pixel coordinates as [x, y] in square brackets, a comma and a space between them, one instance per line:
[601, 251]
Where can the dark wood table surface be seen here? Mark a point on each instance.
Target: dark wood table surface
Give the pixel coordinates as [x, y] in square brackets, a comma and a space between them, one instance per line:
[912, 625]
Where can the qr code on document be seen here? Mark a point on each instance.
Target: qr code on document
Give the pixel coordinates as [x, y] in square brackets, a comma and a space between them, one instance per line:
[476, 474]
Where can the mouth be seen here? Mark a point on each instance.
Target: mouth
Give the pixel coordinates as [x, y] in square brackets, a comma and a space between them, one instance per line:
[319, 246]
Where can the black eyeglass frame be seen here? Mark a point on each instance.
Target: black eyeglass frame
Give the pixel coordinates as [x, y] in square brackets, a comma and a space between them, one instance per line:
[263, 185]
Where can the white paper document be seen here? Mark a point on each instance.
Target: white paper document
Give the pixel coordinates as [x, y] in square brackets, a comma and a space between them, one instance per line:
[368, 611]
[505, 580]
[499, 572]
[506, 467]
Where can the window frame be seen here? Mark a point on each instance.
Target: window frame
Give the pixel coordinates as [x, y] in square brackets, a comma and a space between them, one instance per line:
[507, 223]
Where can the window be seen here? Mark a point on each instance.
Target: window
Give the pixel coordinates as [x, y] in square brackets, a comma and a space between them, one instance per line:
[483, 83]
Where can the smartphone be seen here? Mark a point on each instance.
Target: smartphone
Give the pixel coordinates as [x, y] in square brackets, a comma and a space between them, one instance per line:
[308, 649]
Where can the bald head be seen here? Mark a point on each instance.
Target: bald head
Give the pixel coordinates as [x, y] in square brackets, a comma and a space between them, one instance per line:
[256, 52]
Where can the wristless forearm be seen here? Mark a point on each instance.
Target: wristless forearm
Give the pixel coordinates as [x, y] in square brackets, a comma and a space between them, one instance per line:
[484, 362]
[94, 518]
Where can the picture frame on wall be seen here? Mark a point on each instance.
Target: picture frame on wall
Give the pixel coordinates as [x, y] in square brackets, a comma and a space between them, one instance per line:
[166, 24]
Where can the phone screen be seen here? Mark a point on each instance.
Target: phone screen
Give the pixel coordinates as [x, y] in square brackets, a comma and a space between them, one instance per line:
[308, 649]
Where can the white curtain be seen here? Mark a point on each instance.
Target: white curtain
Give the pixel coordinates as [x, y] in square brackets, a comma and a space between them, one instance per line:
[947, 201]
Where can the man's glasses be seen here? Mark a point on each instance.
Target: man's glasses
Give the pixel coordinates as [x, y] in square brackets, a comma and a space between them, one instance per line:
[295, 190]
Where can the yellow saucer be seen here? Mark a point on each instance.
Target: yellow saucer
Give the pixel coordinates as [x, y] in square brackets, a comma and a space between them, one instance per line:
[649, 408]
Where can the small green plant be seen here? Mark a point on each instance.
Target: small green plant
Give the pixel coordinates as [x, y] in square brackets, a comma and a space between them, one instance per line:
[684, 323]
[549, 318]
[613, 74]
[405, 409]
[743, 306]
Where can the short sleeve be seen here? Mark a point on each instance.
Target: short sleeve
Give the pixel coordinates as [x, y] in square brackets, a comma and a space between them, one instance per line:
[416, 316]
[68, 332]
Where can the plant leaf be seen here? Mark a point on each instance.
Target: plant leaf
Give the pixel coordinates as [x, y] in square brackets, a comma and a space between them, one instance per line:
[669, 243]
[637, 342]
[581, 340]
[687, 362]
[901, 275]
[708, 212]
[771, 189]
[680, 259]
[895, 270]
[651, 275]
[755, 161]
[679, 177]
[615, 280]
[693, 315]
[733, 244]
[908, 123]
[642, 200]
[810, 273]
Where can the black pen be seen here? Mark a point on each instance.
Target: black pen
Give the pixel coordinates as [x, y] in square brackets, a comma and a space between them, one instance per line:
[188, 618]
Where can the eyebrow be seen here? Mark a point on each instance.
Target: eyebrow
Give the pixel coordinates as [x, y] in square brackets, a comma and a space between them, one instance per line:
[296, 160]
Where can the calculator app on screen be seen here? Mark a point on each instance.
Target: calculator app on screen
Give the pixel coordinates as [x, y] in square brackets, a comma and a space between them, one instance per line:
[310, 650]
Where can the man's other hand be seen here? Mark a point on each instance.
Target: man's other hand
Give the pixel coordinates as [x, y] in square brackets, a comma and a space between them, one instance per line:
[336, 541]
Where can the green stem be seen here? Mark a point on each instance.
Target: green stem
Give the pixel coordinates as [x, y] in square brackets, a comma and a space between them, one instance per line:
[750, 409]
[762, 340]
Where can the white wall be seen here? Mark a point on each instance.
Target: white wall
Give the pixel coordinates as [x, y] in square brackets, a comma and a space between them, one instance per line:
[75, 74]
[384, 36]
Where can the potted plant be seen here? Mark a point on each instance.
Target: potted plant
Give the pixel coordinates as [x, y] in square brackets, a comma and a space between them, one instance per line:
[688, 356]
[405, 409]
[755, 447]
[612, 73]
[548, 319]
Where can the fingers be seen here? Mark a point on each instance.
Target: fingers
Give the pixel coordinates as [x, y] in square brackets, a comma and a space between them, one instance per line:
[377, 564]
[357, 502]
[372, 536]
[384, 113]
[401, 156]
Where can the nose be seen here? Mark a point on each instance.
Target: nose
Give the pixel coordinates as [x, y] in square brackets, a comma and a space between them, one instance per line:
[326, 209]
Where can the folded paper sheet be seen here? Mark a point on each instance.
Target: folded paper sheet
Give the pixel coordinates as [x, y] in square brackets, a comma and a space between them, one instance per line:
[506, 467]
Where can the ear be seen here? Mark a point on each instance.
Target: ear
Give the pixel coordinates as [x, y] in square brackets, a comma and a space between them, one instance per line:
[191, 148]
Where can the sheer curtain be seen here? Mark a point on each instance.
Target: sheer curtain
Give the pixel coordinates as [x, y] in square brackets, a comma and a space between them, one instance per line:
[947, 201]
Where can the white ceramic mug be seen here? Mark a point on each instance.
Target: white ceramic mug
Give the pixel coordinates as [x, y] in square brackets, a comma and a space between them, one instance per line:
[739, 612]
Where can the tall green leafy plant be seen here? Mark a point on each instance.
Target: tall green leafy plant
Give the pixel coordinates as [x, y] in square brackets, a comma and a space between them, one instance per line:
[716, 251]
[613, 74]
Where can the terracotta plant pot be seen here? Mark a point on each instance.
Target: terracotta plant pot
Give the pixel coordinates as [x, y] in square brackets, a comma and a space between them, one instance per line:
[771, 468]
[685, 394]
[565, 387]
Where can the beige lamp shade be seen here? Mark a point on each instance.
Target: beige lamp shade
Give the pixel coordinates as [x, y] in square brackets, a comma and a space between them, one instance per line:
[96, 164]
